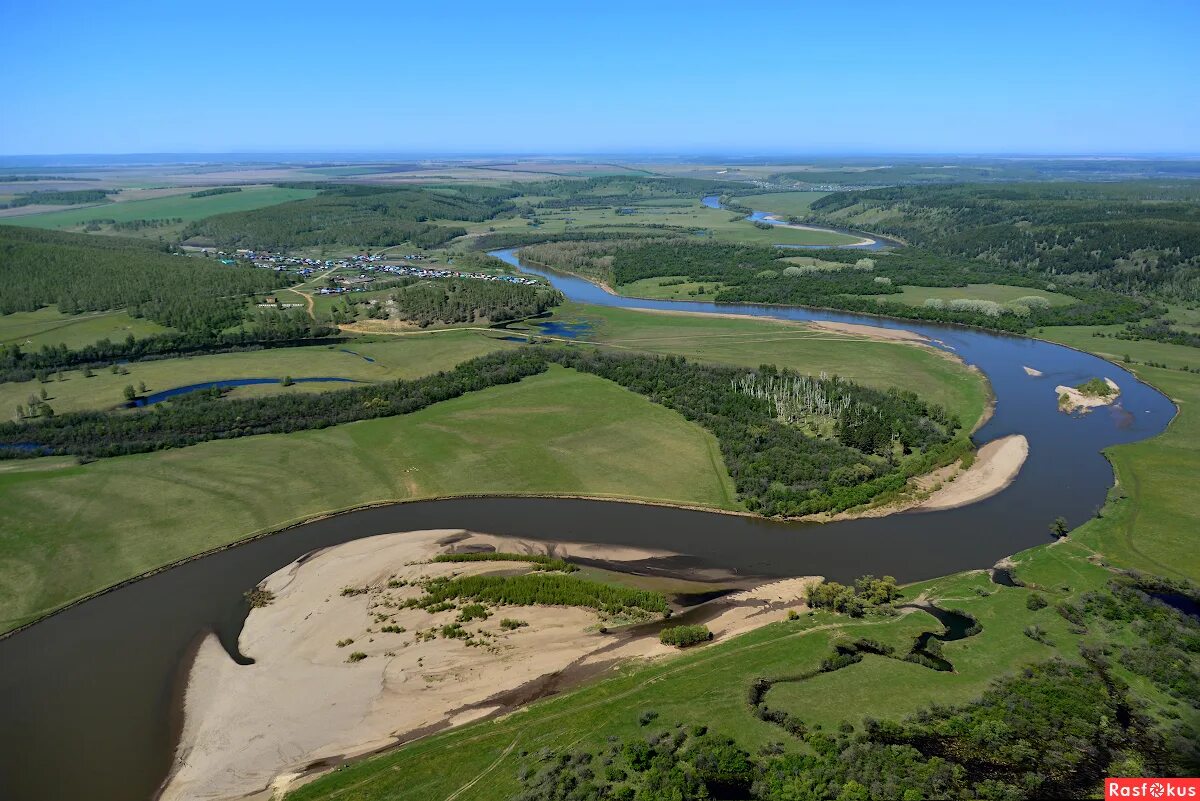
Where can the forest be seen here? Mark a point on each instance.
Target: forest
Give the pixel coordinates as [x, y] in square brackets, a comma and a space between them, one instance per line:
[1135, 238]
[358, 216]
[73, 197]
[460, 300]
[79, 273]
[268, 328]
[793, 444]
[754, 274]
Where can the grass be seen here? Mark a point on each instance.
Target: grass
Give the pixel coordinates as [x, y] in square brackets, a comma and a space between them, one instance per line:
[394, 358]
[709, 687]
[76, 529]
[181, 206]
[48, 326]
[789, 204]
[717, 224]
[1152, 522]
[751, 343]
[671, 287]
[917, 295]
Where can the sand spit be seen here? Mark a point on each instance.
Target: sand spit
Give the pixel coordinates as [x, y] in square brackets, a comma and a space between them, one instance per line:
[257, 729]
[996, 466]
[869, 331]
[1071, 399]
[1032, 372]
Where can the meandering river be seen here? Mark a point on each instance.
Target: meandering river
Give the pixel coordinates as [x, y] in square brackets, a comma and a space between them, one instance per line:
[89, 696]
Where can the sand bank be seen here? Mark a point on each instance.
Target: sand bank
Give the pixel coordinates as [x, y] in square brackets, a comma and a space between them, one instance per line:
[1070, 399]
[1031, 371]
[256, 729]
[996, 466]
[869, 331]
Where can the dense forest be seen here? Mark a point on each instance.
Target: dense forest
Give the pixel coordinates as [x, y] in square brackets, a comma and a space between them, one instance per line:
[81, 273]
[755, 274]
[217, 190]
[357, 216]
[793, 444]
[618, 190]
[1135, 238]
[72, 197]
[268, 328]
[463, 300]
[1054, 729]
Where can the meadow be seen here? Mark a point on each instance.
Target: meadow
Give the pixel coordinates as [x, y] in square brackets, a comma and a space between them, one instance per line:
[372, 360]
[999, 293]
[178, 206]
[73, 529]
[787, 204]
[48, 326]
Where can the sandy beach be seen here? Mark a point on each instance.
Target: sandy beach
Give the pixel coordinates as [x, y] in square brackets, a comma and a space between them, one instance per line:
[996, 466]
[254, 730]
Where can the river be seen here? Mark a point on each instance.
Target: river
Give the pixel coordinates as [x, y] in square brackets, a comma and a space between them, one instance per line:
[90, 695]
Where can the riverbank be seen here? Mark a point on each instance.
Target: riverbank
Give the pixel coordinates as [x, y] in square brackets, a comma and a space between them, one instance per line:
[304, 704]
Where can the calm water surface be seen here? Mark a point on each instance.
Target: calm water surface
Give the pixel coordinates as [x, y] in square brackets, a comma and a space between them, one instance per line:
[87, 695]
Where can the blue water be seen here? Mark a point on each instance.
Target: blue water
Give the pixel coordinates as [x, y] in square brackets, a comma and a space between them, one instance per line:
[1065, 473]
[555, 328]
[159, 397]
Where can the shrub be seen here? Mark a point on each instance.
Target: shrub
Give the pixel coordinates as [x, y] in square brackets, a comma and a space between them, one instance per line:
[258, 597]
[357, 656]
[1035, 602]
[473, 612]
[509, 624]
[345, 642]
[683, 636]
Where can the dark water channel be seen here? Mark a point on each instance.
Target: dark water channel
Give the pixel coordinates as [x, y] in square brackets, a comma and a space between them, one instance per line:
[87, 695]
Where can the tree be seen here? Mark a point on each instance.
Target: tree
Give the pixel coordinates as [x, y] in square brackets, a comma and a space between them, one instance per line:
[142, 387]
[130, 392]
[1059, 527]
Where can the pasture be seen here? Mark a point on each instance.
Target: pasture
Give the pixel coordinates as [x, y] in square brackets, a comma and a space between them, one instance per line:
[169, 207]
[48, 326]
[71, 529]
[999, 293]
[386, 359]
[787, 204]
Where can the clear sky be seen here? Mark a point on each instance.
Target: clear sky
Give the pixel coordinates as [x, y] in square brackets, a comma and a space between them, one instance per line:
[790, 77]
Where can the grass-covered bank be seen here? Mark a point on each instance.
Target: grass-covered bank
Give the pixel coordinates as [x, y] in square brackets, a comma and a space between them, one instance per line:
[71, 530]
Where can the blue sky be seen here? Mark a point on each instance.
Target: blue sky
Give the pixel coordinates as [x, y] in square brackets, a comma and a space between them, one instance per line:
[668, 77]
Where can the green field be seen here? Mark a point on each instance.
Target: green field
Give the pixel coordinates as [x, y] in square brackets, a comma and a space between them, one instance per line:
[76, 529]
[718, 224]
[917, 295]
[1152, 522]
[750, 343]
[394, 358]
[48, 326]
[181, 206]
[788, 204]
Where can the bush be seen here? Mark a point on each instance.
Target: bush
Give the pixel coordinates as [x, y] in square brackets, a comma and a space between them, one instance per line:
[357, 656]
[509, 624]
[683, 636]
[1035, 602]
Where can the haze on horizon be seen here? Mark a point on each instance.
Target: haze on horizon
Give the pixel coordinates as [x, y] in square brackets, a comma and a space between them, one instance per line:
[536, 78]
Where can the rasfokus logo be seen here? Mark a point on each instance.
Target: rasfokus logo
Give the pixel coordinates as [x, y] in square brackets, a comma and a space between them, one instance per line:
[1151, 788]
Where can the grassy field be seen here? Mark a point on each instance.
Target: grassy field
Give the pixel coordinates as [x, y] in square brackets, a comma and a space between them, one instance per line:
[181, 206]
[718, 224]
[47, 326]
[788, 204]
[393, 358]
[917, 295]
[1152, 522]
[750, 343]
[71, 530]
[708, 686]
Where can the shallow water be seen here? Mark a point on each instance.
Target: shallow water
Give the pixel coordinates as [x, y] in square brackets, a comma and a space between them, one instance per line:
[93, 687]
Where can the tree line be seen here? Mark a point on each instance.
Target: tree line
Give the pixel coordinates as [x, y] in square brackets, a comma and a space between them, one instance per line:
[358, 216]
[455, 300]
[779, 468]
[78, 273]
[268, 328]
[72, 197]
